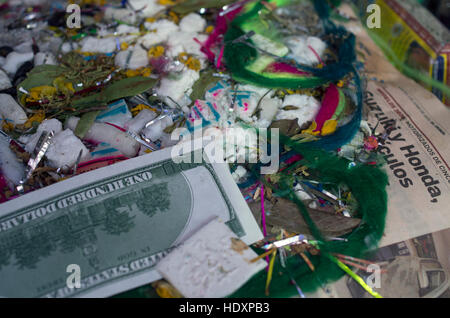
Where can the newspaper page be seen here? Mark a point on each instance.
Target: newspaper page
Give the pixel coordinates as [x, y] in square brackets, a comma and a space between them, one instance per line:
[414, 254]
[417, 150]
[417, 153]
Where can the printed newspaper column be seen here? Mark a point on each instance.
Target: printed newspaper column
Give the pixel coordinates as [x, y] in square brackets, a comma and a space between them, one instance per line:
[417, 153]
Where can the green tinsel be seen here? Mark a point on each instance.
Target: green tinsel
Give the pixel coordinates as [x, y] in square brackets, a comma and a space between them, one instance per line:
[368, 186]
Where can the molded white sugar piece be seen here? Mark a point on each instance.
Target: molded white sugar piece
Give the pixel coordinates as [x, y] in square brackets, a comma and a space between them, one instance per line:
[156, 130]
[69, 46]
[211, 263]
[308, 107]
[162, 29]
[247, 97]
[300, 193]
[44, 58]
[137, 59]
[364, 126]
[184, 42]
[10, 166]
[123, 28]
[192, 23]
[100, 132]
[301, 51]
[239, 173]
[269, 108]
[4, 80]
[137, 123]
[24, 47]
[221, 90]
[177, 86]
[64, 150]
[47, 125]
[146, 7]
[14, 60]
[121, 14]
[121, 58]
[126, 33]
[27, 2]
[93, 44]
[11, 111]
[117, 113]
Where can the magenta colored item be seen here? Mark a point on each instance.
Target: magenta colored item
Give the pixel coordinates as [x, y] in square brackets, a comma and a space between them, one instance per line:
[3, 185]
[219, 30]
[263, 218]
[329, 104]
[219, 59]
[293, 159]
[315, 53]
[279, 67]
[263, 213]
[115, 126]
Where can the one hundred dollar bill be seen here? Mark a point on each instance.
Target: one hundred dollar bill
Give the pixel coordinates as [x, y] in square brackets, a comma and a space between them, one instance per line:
[111, 226]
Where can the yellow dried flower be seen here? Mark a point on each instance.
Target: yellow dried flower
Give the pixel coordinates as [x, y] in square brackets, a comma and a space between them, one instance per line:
[174, 17]
[156, 51]
[167, 2]
[63, 86]
[329, 127]
[124, 46]
[143, 71]
[7, 126]
[132, 73]
[40, 92]
[88, 53]
[166, 290]
[191, 62]
[209, 29]
[135, 110]
[311, 129]
[146, 71]
[37, 117]
[290, 91]
[183, 57]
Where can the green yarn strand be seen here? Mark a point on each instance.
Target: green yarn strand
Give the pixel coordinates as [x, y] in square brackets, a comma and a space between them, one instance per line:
[368, 185]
